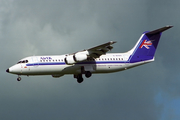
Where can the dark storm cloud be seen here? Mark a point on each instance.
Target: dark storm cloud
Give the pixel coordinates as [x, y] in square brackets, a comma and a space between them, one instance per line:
[35, 27]
[160, 14]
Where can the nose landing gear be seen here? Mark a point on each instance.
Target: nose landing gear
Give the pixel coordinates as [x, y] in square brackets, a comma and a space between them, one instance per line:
[19, 78]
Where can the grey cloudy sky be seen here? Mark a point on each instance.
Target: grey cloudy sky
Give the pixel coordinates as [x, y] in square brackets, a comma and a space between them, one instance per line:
[44, 27]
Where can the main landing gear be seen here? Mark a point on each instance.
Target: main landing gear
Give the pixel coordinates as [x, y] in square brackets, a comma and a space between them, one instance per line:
[80, 78]
[88, 74]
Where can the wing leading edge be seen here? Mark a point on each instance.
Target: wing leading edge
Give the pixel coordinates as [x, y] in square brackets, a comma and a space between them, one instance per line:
[99, 50]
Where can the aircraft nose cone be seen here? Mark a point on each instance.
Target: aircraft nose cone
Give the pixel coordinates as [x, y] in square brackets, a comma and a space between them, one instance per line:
[7, 70]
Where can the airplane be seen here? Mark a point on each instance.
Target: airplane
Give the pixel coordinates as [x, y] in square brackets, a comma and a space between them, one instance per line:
[91, 61]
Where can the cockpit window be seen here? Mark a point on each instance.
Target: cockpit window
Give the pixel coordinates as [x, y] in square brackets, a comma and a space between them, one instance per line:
[23, 61]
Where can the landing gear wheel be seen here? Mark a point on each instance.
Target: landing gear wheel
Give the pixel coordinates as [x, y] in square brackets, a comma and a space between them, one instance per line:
[88, 74]
[79, 78]
[19, 79]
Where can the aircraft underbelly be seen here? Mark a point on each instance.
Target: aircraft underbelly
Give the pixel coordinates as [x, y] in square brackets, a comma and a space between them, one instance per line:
[107, 68]
[44, 70]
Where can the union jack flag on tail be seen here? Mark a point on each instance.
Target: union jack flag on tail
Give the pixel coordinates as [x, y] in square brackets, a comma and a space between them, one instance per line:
[146, 46]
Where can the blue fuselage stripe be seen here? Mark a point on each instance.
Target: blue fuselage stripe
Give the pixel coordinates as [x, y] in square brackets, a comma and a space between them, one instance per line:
[63, 63]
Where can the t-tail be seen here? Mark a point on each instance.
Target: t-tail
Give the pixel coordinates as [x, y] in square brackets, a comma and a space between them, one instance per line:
[145, 48]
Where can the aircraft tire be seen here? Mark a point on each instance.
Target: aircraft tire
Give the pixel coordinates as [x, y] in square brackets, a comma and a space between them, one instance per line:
[19, 79]
[80, 78]
[88, 74]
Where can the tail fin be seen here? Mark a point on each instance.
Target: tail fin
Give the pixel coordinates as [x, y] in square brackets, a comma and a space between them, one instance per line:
[145, 48]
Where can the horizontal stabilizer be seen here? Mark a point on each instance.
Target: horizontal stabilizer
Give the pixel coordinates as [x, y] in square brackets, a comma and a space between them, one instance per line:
[159, 30]
[146, 46]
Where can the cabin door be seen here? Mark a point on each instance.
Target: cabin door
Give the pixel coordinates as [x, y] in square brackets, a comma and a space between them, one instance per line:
[35, 61]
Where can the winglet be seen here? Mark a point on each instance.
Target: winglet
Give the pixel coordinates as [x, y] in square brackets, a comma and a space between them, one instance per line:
[159, 30]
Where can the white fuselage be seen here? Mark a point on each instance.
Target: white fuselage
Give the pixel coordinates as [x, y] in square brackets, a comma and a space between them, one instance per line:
[56, 66]
[93, 60]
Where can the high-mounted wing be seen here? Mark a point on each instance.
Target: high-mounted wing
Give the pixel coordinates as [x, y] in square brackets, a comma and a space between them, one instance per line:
[94, 52]
[97, 51]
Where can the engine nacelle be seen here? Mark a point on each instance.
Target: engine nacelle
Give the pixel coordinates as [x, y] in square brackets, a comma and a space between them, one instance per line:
[72, 59]
[78, 57]
[69, 59]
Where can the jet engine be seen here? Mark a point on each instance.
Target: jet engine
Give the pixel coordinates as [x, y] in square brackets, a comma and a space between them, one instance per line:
[69, 60]
[77, 57]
